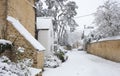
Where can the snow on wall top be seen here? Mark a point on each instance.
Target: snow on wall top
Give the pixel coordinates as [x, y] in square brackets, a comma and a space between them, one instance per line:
[20, 28]
[106, 39]
[44, 22]
[2, 41]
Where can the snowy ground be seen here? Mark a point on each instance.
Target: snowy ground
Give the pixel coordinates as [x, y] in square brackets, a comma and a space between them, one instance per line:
[80, 63]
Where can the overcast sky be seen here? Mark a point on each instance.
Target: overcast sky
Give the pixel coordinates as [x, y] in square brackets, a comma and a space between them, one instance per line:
[86, 7]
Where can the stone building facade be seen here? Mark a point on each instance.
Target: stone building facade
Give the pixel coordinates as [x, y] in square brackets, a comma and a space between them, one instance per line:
[23, 11]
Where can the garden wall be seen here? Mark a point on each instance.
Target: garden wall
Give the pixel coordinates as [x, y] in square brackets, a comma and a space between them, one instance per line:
[107, 49]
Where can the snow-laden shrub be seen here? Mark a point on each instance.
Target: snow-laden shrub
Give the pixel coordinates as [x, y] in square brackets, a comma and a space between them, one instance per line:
[23, 65]
[51, 61]
[5, 45]
[55, 60]
[61, 54]
[8, 68]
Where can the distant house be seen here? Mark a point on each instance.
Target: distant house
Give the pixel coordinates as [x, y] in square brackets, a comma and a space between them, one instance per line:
[17, 24]
[45, 33]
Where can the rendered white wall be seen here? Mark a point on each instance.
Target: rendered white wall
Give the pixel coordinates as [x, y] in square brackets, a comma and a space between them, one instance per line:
[44, 37]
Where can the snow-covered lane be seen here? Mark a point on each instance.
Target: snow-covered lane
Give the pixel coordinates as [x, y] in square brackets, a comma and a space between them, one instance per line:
[80, 63]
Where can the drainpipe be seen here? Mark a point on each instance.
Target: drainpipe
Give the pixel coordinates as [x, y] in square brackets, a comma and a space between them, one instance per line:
[6, 24]
[36, 31]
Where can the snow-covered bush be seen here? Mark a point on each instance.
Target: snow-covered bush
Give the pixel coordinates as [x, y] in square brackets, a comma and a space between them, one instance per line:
[8, 68]
[51, 61]
[5, 45]
[23, 65]
[61, 54]
[55, 60]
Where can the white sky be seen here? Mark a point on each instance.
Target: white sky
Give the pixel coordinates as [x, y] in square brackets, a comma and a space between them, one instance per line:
[86, 7]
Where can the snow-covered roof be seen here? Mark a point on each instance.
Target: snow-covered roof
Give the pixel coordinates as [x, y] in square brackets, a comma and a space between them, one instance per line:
[44, 22]
[20, 28]
[2, 41]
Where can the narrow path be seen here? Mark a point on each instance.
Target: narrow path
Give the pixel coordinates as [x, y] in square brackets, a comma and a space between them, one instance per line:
[80, 63]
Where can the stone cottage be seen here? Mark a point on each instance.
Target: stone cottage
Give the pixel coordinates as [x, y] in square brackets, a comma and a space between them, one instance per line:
[24, 12]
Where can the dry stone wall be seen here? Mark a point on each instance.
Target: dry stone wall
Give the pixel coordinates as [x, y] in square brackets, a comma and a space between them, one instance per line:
[106, 49]
[25, 13]
[3, 13]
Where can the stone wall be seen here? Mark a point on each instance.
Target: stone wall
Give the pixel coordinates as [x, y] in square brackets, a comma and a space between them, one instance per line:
[3, 13]
[106, 49]
[25, 13]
